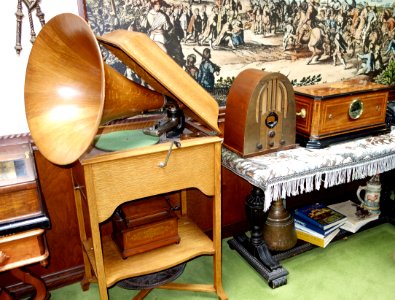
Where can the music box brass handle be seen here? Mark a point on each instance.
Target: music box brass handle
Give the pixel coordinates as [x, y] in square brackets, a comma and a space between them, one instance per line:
[302, 113]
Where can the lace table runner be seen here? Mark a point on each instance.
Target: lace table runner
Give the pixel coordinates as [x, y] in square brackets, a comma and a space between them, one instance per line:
[300, 170]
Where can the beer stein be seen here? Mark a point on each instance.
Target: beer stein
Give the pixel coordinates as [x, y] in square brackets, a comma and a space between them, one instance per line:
[371, 199]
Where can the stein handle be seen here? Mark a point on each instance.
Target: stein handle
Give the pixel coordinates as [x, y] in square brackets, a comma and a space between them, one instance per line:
[359, 192]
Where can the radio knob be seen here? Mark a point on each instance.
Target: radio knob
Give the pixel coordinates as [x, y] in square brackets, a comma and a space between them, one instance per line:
[259, 146]
[272, 133]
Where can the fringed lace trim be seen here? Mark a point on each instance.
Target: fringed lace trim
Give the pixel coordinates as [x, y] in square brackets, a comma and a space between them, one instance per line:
[326, 178]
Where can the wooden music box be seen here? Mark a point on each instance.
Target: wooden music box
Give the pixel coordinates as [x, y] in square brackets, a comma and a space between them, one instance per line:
[21, 207]
[143, 225]
[260, 110]
[335, 112]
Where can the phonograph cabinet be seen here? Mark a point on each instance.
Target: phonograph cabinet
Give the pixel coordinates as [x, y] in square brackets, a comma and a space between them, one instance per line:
[106, 180]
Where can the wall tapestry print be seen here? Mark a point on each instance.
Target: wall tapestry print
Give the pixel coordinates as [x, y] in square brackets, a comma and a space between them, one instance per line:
[309, 41]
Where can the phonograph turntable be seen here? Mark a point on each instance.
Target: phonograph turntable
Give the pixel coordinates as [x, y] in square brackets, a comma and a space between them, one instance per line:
[71, 98]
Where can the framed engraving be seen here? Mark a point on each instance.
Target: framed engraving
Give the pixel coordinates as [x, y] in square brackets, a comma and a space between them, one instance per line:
[214, 40]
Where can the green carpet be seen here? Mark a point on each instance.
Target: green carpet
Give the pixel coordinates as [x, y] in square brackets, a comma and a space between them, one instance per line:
[359, 267]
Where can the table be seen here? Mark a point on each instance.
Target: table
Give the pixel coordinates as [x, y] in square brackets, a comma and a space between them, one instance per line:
[103, 181]
[292, 172]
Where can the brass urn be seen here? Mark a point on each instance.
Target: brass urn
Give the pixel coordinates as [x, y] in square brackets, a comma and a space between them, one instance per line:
[279, 228]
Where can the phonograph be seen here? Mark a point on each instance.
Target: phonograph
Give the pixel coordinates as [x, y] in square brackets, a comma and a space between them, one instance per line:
[72, 98]
[70, 91]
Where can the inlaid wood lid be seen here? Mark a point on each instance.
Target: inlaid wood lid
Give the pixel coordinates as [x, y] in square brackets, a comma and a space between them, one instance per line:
[335, 89]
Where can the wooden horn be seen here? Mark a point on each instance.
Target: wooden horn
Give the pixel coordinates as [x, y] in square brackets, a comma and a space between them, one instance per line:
[70, 91]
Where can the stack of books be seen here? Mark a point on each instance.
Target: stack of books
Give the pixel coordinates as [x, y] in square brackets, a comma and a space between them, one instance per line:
[318, 224]
[356, 215]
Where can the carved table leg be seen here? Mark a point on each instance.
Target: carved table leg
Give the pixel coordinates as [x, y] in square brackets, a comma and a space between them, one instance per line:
[37, 283]
[254, 249]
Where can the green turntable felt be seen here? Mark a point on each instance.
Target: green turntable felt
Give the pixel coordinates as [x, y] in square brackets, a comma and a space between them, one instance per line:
[124, 139]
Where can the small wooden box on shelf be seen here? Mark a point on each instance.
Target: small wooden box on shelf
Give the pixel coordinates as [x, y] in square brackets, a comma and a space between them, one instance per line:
[144, 225]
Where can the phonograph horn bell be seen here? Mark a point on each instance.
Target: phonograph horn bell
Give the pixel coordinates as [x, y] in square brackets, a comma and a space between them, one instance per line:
[70, 91]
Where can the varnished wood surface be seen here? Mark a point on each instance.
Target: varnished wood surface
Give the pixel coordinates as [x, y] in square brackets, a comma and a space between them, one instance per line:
[63, 238]
[19, 201]
[255, 97]
[65, 263]
[330, 117]
[161, 72]
[340, 88]
[53, 98]
[178, 174]
[20, 250]
[36, 282]
[327, 108]
[196, 163]
[193, 243]
[64, 109]
[23, 249]
[18, 187]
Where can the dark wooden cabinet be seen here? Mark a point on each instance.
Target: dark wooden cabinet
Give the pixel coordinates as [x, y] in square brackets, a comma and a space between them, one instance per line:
[65, 263]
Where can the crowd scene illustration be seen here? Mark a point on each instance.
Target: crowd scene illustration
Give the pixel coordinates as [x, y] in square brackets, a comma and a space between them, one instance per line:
[329, 30]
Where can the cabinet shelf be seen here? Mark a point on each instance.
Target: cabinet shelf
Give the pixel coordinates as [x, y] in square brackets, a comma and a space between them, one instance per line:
[193, 243]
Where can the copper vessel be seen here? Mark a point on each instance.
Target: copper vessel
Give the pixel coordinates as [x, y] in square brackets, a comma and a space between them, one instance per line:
[279, 228]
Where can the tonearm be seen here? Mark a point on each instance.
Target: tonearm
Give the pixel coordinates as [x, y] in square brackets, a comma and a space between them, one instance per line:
[172, 124]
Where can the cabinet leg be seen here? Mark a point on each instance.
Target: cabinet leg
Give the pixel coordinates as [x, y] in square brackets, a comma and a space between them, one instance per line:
[88, 276]
[85, 283]
[221, 293]
[141, 295]
[37, 283]
[254, 249]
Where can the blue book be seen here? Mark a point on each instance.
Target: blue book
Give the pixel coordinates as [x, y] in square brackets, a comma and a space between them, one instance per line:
[320, 216]
[310, 228]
